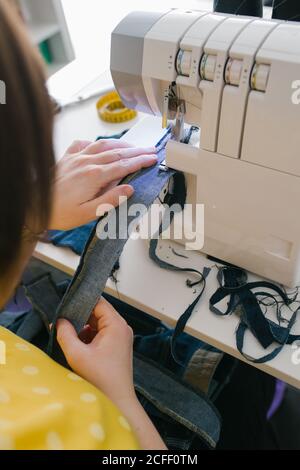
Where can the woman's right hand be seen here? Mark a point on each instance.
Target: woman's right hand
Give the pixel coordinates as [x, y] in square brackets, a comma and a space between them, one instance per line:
[87, 180]
[103, 355]
[103, 352]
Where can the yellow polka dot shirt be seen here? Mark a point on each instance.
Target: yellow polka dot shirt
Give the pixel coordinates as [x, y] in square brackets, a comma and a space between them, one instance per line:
[46, 407]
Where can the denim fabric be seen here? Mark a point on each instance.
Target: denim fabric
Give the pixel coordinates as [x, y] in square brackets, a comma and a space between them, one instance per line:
[10, 319]
[74, 239]
[183, 320]
[243, 298]
[116, 136]
[160, 381]
[182, 404]
[19, 303]
[100, 257]
[204, 367]
[33, 325]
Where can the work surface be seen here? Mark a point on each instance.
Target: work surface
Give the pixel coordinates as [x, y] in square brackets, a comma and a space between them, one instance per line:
[141, 283]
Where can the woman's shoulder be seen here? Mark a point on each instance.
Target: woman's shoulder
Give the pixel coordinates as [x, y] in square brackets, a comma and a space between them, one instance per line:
[45, 406]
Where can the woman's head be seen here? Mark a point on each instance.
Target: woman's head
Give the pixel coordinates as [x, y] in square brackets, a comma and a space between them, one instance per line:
[26, 153]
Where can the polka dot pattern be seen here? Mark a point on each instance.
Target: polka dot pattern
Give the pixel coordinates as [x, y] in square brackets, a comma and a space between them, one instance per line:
[30, 370]
[41, 390]
[53, 441]
[4, 396]
[22, 347]
[5, 424]
[88, 397]
[97, 431]
[55, 407]
[67, 411]
[74, 377]
[6, 443]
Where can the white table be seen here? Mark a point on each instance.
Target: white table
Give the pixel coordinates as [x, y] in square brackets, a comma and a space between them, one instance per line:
[144, 285]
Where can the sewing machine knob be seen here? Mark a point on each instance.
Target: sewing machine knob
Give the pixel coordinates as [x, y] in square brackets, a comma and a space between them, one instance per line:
[259, 77]
[233, 72]
[184, 63]
[208, 67]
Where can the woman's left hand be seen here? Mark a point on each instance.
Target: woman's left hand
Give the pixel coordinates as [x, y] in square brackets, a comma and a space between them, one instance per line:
[87, 178]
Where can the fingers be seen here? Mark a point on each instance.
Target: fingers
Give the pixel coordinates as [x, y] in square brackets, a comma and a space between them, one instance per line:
[105, 203]
[68, 340]
[105, 145]
[105, 310]
[118, 154]
[119, 170]
[107, 317]
[78, 146]
[103, 313]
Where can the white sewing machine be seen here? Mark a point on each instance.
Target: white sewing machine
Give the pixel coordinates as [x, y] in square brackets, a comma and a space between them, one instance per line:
[237, 79]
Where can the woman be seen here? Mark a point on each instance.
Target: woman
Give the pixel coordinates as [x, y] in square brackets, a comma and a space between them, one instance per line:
[42, 405]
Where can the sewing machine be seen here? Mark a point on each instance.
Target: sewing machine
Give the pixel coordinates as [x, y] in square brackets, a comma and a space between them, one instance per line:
[237, 79]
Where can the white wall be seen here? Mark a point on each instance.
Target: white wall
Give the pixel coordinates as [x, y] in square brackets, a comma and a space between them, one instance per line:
[92, 21]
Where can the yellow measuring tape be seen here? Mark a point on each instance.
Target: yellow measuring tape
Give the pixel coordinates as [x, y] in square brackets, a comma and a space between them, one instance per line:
[111, 109]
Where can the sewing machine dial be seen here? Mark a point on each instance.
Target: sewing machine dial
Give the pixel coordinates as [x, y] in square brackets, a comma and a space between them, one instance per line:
[184, 63]
[208, 67]
[233, 72]
[260, 76]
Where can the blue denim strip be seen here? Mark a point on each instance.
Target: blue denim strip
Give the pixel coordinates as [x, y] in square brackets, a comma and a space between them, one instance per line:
[179, 198]
[184, 318]
[241, 295]
[100, 256]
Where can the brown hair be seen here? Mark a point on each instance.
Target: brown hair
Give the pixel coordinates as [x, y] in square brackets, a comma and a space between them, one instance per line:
[26, 152]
